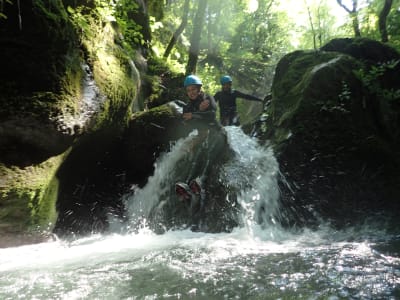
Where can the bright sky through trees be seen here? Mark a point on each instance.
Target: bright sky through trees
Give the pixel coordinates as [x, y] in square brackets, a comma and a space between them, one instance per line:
[297, 11]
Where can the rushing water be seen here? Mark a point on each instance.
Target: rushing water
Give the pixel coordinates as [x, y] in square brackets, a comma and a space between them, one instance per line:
[252, 262]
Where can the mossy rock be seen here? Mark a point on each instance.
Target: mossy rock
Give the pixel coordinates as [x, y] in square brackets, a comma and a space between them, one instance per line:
[28, 197]
[41, 86]
[334, 156]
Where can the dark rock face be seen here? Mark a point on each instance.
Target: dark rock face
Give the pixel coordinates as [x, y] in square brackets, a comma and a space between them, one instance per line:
[366, 50]
[38, 47]
[52, 105]
[28, 141]
[40, 37]
[332, 136]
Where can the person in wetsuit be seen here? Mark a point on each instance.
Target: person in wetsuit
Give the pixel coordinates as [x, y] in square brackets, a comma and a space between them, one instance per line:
[199, 113]
[226, 99]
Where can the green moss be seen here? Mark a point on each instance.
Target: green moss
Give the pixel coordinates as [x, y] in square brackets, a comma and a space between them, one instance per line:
[300, 78]
[114, 73]
[159, 112]
[28, 196]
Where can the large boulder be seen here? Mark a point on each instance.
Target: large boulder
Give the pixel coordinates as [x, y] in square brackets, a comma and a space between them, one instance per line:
[40, 76]
[62, 90]
[336, 141]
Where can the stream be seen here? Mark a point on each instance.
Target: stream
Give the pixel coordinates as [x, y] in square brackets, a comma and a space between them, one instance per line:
[252, 262]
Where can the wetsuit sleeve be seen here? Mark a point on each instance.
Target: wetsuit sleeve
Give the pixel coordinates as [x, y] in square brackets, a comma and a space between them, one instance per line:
[246, 96]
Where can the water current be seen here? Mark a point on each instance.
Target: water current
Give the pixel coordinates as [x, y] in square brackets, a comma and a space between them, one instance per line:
[251, 262]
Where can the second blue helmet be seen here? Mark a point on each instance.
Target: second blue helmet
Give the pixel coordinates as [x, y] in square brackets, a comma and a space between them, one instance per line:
[226, 79]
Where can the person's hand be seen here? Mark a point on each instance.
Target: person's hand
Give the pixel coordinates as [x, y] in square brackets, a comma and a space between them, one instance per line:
[204, 105]
[187, 116]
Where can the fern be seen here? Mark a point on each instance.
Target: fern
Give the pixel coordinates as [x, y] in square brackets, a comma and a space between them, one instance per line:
[370, 80]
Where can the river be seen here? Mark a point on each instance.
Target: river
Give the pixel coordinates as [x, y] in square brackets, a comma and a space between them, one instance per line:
[251, 262]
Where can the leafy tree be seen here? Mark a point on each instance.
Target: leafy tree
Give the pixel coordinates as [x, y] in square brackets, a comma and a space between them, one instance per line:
[320, 20]
[260, 38]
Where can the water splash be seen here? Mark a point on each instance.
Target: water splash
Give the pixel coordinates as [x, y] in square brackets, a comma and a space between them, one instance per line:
[143, 200]
[256, 261]
[254, 171]
[251, 175]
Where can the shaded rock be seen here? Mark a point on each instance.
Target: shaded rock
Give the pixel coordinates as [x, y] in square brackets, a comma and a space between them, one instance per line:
[150, 133]
[336, 160]
[45, 113]
[367, 50]
[27, 141]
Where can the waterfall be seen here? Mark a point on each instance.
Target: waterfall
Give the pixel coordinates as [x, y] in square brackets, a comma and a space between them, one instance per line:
[141, 203]
[254, 171]
[251, 174]
[256, 260]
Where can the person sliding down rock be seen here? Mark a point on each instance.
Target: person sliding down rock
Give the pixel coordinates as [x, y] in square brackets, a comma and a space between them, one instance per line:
[199, 114]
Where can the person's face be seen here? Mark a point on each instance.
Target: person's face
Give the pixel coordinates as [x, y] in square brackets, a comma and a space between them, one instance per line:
[227, 86]
[193, 91]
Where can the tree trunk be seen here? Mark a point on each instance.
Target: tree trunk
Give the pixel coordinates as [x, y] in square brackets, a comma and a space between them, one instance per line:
[179, 30]
[353, 15]
[382, 20]
[195, 38]
[312, 26]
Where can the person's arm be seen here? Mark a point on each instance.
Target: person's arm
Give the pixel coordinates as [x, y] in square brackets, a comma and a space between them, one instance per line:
[246, 96]
[209, 113]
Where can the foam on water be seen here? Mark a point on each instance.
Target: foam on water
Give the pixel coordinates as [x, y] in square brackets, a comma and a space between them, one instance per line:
[256, 260]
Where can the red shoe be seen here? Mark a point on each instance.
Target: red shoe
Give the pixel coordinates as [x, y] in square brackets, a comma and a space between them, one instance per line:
[183, 191]
[195, 186]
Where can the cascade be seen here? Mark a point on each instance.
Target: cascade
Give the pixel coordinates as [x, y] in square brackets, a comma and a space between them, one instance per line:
[249, 178]
[255, 260]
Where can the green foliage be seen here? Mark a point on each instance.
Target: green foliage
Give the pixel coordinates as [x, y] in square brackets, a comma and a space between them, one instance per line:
[131, 31]
[245, 44]
[372, 81]
[2, 15]
[82, 21]
[87, 19]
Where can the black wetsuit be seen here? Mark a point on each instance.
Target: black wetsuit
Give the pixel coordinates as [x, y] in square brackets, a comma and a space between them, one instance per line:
[211, 136]
[227, 105]
[201, 119]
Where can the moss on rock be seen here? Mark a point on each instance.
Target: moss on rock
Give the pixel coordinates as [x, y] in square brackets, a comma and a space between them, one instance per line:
[327, 131]
[28, 197]
[40, 90]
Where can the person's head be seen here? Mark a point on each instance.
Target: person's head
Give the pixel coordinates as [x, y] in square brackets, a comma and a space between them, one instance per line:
[192, 86]
[226, 82]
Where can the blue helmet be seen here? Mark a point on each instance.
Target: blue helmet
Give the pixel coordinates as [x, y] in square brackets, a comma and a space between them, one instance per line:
[226, 79]
[192, 79]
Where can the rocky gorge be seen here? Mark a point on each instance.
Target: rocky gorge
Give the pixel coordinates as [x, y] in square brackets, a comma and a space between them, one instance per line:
[332, 120]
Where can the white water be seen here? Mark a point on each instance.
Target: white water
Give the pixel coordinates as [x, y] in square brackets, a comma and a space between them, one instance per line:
[252, 262]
